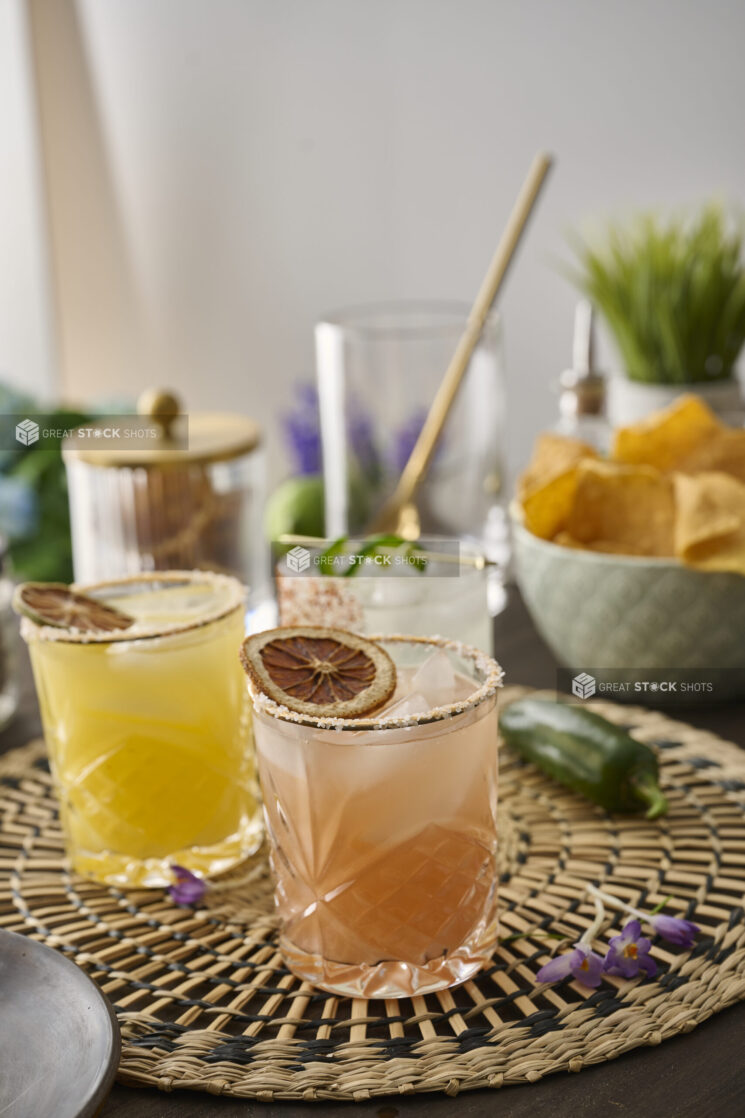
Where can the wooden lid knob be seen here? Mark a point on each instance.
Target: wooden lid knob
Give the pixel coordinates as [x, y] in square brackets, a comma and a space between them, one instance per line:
[161, 405]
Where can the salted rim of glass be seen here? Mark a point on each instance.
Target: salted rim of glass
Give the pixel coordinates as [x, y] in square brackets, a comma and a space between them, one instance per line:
[491, 671]
[234, 599]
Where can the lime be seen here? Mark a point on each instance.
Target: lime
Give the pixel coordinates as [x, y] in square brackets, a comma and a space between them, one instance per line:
[295, 508]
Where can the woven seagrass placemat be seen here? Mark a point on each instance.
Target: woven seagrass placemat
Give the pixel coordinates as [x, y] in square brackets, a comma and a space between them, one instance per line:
[204, 1001]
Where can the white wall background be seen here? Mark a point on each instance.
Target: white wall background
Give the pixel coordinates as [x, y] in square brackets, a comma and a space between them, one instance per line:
[27, 339]
[220, 172]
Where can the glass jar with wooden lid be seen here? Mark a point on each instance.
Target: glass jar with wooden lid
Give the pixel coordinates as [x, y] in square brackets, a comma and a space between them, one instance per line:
[187, 495]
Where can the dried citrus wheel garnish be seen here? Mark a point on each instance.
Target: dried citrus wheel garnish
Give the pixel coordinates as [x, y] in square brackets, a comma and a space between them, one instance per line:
[53, 603]
[320, 672]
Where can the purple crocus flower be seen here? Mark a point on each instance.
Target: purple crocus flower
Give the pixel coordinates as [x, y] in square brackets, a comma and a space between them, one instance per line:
[674, 929]
[302, 428]
[405, 437]
[361, 435]
[629, 953]
[187, 889]
[582, 963]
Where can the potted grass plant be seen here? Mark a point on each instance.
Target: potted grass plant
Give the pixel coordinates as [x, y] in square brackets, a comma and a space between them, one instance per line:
[672, 294]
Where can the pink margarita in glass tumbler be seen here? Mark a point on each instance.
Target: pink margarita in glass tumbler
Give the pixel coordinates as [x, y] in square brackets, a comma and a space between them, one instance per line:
[378, 764]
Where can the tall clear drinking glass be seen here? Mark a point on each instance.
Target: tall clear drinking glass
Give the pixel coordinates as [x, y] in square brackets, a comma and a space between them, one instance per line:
[383, 830]
[378, 369]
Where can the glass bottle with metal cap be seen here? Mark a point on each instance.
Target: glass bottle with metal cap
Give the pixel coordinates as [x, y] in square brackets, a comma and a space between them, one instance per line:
[178, 492]
[582, 388]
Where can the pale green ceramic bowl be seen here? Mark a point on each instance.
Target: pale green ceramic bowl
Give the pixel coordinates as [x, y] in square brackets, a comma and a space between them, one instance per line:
[632, 613]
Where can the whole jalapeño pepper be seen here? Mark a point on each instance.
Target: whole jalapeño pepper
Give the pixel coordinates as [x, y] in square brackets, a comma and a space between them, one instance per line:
[586, 753]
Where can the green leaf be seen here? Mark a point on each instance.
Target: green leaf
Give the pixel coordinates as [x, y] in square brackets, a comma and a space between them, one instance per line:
[326, 558]
[369, 548]
[46, 553]
[417, 558]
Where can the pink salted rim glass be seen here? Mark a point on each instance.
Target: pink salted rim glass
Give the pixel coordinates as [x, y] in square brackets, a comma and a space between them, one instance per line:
[383, 834]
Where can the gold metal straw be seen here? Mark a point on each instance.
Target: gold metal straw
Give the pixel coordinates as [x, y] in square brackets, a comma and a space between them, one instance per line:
[399, 514]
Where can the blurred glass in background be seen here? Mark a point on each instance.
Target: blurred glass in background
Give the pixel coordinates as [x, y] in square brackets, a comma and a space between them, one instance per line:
[378, 369]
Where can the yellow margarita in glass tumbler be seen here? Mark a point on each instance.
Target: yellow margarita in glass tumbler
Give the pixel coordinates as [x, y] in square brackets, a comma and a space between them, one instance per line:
[149, 729]
[382, 828]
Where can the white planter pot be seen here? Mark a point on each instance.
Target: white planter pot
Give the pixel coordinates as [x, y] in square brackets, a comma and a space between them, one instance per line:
[631, 400]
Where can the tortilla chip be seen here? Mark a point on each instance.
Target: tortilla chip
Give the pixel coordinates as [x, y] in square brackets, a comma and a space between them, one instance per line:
[710, 523]
[625, 510]
[546, 489]
[723, 452]
[552, 455]
[546, 509]
[666, 438]
[674, 487]
[564, 539]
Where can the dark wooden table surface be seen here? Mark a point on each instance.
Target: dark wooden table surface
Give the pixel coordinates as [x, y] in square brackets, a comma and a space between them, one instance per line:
[701, 1074]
